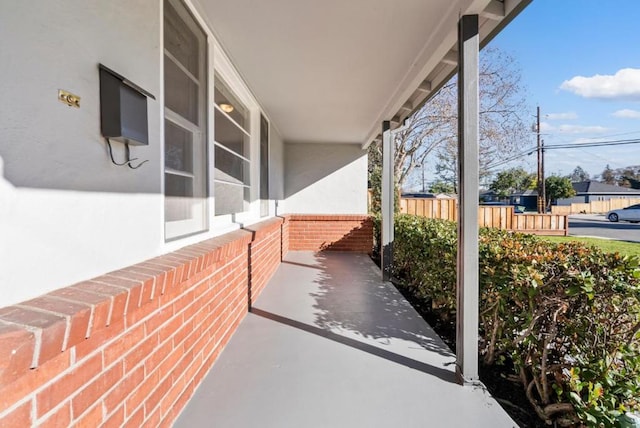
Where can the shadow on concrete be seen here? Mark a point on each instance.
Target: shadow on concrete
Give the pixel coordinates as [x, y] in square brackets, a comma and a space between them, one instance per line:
[443, 374]
[351, 296]
[288, 262]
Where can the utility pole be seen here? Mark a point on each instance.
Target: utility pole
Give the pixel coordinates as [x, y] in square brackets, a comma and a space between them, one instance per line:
[541, 201]
[544, 187]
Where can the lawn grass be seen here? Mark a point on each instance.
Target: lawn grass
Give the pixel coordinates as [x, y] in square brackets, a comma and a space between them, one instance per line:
[608, 245]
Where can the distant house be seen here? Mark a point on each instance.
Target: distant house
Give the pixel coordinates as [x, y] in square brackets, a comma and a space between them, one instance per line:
[489, 196]
[528, 199]
[589, 191]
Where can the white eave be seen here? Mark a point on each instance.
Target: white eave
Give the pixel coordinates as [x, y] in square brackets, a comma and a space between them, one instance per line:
[331, 71]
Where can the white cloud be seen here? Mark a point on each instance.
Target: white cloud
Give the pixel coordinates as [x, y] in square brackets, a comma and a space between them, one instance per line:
[585, 140]
[547, 128]
[627, 114]
[570, 115]
[625, 84]
[579, 129]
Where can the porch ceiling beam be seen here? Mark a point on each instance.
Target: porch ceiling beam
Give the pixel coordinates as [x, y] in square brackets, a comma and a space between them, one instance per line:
[408, 106]
[425, 86]
[494, 11]
[441, 67]
[468, 181]
[451, 58]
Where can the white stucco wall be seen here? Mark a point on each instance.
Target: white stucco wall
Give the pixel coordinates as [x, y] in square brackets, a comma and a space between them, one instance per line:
[67, 214]
[325, 179]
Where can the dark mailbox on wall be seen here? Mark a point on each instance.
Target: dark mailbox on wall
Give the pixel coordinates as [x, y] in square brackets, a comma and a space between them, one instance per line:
[123, 109]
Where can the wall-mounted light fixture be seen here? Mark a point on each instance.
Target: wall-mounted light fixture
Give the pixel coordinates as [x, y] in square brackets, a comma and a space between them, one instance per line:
[227, 108]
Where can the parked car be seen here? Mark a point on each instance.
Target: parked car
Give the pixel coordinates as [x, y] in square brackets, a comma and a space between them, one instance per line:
[630, 213]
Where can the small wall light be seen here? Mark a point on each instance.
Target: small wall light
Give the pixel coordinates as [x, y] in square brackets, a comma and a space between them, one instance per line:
[227, 108]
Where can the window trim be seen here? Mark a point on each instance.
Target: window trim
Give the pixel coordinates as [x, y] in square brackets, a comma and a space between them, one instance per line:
[217, 63]
[198, 223]
[237, 90]
[265, 206]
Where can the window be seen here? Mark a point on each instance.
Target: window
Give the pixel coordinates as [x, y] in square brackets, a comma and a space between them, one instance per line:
[185, 122]
[264, 167]
[232, 152]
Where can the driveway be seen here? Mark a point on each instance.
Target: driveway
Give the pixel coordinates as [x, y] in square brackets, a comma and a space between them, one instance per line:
[597, 225]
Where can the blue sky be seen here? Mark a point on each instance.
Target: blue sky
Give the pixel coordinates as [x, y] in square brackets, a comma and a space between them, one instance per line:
[580, 62]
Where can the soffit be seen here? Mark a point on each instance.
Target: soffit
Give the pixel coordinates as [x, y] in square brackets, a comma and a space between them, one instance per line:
[332, 70]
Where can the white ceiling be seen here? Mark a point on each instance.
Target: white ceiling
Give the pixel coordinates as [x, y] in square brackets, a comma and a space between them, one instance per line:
[332, 70]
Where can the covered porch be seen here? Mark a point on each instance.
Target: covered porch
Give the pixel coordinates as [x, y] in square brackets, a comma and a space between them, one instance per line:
[126, 283]
[328, 344]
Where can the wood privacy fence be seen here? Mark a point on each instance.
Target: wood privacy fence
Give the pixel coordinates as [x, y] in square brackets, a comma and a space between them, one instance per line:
[445, 209]
[594, 207]
[502, 217]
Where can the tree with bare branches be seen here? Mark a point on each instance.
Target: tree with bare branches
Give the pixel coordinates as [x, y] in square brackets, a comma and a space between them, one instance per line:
[504, 121]
[432, 131]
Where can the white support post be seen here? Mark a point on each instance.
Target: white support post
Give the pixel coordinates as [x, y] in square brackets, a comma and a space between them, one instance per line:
[387, 202]
[468, 181]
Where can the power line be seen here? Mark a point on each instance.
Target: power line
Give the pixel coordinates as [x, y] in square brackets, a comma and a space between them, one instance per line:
[594, 144]
[594, 138]
[564, 146]
[512, 158]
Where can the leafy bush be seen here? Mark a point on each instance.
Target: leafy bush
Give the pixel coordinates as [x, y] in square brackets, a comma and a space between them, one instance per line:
[425, 256]
[567, 314]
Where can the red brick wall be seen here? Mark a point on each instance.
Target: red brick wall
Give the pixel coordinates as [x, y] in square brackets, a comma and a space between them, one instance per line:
[130, 347]
[285, 236]
[265, 253]
[330, 232]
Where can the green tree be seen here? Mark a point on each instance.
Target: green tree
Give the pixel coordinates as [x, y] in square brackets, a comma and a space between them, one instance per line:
[608, 176]
[375, 181]
[633, 182]
[557, 187]
[626, 176]
[512, 180]
[440, 186]
[579, 174]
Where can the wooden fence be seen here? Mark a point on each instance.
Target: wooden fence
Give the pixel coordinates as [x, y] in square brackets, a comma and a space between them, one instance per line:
[594, 207]
[445, 209]
[502, 217]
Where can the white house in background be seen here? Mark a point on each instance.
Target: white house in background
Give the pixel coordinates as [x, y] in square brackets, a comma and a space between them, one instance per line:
[591, 190]
[250, 110]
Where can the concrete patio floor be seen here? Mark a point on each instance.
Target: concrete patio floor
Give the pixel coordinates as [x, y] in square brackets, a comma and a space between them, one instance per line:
[328, 344]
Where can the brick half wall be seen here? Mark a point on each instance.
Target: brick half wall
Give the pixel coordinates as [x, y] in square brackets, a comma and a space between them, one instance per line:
[330, 233]
[130, 347]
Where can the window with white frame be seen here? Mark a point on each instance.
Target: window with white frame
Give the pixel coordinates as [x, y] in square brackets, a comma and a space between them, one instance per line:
[232, 153]
[264, 166]
[185, 122]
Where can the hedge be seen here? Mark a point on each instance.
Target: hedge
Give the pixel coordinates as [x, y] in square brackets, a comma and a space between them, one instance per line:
[566, 314]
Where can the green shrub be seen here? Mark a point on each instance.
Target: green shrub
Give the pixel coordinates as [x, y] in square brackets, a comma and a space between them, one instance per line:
[567, 314]
[425, 256]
